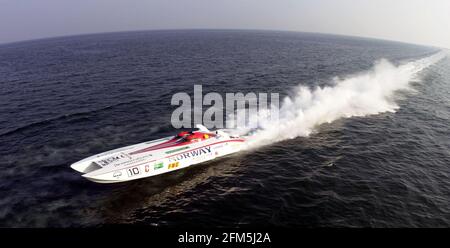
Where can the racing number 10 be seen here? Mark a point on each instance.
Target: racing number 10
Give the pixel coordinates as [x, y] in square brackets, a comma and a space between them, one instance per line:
[133, 171]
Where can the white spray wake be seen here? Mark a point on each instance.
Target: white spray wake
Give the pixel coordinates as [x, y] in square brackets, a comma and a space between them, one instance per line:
[362, 94]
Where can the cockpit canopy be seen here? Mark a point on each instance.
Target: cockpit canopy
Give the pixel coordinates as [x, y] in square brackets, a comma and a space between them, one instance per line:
[194, 136]
[182, 134]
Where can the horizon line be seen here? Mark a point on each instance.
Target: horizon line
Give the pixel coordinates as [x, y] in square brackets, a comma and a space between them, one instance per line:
[215, 29]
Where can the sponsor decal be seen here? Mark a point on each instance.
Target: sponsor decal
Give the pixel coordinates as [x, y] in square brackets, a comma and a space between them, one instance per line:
[133, 171]
[177, 150]
[192, 154]
[117, 174]
[115, 158]
[158, 165]
[173, 165]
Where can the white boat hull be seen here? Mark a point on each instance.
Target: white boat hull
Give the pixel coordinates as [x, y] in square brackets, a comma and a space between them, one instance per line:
[156, 157]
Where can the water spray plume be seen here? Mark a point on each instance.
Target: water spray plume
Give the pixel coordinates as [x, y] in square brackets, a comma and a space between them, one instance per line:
[368, 93]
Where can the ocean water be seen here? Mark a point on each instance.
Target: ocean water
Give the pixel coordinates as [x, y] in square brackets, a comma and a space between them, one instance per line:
[364, 137]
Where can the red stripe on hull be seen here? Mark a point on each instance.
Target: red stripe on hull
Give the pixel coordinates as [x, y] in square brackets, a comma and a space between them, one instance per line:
[225, 141]
[167, 144]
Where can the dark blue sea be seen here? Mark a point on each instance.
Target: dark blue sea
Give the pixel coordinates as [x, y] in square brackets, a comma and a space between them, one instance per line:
[64, 99]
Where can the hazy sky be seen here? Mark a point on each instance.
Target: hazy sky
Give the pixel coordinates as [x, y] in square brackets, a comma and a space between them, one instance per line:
[416, 21]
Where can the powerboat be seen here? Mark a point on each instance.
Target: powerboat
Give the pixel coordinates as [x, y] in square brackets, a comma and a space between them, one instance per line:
[159, 156]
